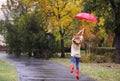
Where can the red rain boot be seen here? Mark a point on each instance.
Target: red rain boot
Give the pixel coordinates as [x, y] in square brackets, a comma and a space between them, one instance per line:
[77, 74]
[71, 68]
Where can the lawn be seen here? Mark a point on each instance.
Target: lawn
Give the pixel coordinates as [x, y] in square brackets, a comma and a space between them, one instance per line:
[7, 71]
[98, 71]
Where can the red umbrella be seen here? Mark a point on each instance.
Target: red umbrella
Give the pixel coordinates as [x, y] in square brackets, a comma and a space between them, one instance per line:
[86, 16]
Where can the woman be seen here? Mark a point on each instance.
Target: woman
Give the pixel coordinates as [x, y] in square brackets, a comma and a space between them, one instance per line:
[75, 51]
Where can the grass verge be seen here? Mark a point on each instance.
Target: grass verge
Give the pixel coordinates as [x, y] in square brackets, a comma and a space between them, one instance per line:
[98, 71]
[7, 71]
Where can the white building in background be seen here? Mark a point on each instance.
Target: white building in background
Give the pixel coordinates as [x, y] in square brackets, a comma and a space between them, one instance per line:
[2, 41]
[2, 2]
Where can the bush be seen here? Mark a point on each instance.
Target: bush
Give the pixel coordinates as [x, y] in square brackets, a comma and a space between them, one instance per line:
[97, 58]
[88, 58]
[103, 50]
[109, 57]
[85, 58]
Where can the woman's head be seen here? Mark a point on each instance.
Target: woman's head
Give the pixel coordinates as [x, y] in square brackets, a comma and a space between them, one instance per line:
[77, 39]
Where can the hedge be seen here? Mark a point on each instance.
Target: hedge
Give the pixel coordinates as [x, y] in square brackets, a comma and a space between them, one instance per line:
[103, 50]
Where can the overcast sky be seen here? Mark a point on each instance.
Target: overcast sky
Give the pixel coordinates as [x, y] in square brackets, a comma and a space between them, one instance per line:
[1, 14]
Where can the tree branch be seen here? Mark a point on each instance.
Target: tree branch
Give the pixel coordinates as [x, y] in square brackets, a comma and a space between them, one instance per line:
[112, 4]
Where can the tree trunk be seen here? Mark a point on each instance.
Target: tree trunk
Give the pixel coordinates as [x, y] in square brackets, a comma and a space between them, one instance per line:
[117, 36]
[117, 51]
[116, 10]
[62, 49]
[30, 54]
[18, 54]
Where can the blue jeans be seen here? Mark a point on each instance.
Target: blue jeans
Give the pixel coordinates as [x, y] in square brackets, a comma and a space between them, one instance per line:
[77, 61]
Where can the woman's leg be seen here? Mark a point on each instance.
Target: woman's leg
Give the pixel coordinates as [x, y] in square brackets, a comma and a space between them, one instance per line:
[72, 64]
[77, 67]
[77, 63]
[72, 60]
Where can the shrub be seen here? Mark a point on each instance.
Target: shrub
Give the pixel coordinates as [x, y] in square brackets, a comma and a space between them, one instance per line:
[85, 58]
[88, 58]
[97, 58]
[103, 50]
[109, 57]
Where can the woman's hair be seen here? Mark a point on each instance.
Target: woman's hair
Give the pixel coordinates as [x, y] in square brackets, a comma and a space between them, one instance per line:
[77, 39]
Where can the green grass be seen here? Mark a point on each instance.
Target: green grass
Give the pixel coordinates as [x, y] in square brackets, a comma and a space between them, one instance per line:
[98, 71]
[7, 72]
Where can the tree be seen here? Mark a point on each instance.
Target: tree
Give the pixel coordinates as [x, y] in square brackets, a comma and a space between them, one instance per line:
[61, 14]
[28, 32]
[60, 18]
[2, 27]
[109, 10]
[27, 35]
[115, 4]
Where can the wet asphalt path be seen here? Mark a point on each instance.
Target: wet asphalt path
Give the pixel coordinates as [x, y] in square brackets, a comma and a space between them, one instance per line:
[31, 69]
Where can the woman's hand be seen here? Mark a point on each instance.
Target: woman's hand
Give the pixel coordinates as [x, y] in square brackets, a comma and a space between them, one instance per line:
[81, 31]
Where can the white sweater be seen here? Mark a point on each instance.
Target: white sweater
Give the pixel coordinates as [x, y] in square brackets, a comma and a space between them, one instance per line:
[75, 48]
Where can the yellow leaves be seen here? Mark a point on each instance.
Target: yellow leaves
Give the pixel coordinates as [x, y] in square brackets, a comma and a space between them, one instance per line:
[65, 20]
[27, 2]
[73, 9]
[78, 2]
[89, 27]
[60, 14]
[101, 21]
[63, 12]
[101, 33]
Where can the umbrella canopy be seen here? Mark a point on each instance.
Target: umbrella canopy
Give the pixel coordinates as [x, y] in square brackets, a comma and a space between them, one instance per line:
[86, 16]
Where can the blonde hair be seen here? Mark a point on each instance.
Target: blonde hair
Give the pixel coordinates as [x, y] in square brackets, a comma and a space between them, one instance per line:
[77, 39]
